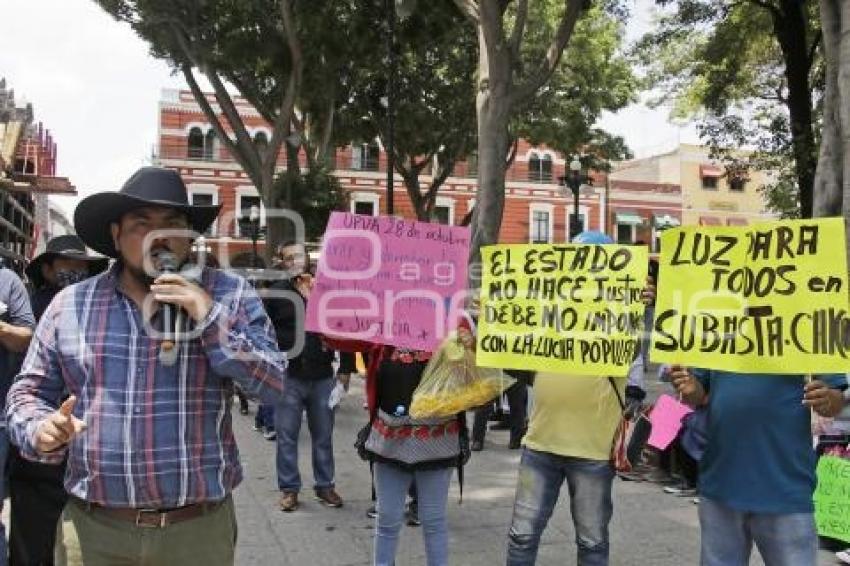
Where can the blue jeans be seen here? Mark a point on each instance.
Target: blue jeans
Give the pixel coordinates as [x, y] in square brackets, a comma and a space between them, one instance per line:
[432, 486]
[264, 419]
[300, 395]
[540, 478]
[782, 539]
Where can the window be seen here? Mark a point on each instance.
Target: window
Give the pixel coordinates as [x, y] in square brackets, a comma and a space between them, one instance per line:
[209, 145]
[625, 233]
[24, 167]
[366, 208]
[540, 168]
[709, 183]
[533, 167]
[444, 211]
[540, 227]
[367, 204]
[540, 222]
[365, 157]
[196, 144]
[246, 197]
[737, 183]
[441, 215]
[204, 195]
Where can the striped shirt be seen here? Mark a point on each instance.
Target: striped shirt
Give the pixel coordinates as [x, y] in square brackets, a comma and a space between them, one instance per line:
[157, 436]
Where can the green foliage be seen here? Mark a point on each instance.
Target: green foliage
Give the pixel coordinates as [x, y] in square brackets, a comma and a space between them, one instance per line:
[435, 89]
[594, 75]
[314, 194]
[728, 64]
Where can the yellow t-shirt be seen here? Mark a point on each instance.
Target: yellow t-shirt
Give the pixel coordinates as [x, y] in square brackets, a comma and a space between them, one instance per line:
[574, 415]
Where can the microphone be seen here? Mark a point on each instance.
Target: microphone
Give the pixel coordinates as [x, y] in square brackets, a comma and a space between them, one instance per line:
[167, 263]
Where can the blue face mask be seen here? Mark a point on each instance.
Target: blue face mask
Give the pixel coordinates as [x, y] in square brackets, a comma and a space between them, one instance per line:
[68, 277]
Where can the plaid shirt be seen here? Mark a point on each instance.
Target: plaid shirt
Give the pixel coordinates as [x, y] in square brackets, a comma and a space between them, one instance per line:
[158, 436]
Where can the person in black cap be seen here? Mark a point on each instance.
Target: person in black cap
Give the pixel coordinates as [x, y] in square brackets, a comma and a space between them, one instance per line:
[36, 492]
[152, 459]
[63, 262]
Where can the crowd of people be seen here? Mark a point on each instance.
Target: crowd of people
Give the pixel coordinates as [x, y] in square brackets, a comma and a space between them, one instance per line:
[122, 438]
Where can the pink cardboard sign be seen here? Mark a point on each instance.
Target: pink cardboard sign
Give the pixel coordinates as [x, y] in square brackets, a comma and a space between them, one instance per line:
[389, 281]
[666, 418]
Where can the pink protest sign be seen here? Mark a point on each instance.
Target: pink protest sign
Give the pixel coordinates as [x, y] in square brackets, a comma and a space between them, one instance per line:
[666, 419]
[389, 281]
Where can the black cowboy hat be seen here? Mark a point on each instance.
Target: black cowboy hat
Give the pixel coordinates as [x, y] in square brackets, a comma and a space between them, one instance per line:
[149, 186]
[68, 246]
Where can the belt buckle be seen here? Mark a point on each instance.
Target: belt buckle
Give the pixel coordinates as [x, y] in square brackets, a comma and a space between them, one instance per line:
[160, 524]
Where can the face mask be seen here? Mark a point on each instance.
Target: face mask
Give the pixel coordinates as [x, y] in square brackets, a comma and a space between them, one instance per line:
[65, 278]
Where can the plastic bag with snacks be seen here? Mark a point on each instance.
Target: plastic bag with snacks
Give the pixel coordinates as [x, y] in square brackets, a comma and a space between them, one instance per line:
[452, 383]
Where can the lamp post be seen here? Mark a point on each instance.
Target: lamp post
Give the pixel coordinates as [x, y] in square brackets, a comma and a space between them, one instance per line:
[573, 181]
[250, 226]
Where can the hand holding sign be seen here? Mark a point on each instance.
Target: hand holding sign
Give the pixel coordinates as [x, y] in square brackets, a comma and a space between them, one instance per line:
[687, 385]
[59, 428]
[826, 402]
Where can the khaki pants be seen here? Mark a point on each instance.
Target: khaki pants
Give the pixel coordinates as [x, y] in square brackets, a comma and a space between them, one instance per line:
[90, 538]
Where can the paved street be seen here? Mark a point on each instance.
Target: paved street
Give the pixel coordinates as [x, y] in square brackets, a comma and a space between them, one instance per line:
[649, 527]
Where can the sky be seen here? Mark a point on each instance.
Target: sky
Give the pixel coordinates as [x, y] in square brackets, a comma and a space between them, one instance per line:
[93, 83]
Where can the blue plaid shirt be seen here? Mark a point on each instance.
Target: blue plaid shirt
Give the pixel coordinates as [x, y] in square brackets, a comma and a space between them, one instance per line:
[158, 436]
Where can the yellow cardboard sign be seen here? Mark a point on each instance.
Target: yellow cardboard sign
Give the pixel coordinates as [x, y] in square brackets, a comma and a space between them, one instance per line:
[832, 498]
[769, 298]
[561, 308]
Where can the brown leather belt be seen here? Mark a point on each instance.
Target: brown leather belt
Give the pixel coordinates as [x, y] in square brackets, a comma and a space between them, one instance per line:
[149, 518]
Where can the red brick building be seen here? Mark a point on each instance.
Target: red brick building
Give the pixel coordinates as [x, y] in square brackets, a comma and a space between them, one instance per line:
[537, 208]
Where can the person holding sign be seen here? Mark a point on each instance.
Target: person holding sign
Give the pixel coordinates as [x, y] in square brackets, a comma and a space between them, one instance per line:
[757, 473]
[406, 451]
[569, 439]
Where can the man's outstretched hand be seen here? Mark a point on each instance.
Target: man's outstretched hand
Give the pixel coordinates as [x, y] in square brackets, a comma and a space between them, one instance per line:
[59, 428]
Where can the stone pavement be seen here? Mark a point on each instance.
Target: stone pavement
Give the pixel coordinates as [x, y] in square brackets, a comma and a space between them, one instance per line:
[649, 527]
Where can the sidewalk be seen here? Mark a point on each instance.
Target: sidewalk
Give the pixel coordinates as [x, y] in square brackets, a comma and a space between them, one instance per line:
[649, 527]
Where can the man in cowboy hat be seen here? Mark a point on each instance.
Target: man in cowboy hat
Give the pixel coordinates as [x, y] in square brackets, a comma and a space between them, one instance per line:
[152, 459]
[63, 262]
[36, 490]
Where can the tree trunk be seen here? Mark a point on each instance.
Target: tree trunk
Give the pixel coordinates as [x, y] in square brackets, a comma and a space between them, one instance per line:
[832, 197]
[791, 31]
[493, 109]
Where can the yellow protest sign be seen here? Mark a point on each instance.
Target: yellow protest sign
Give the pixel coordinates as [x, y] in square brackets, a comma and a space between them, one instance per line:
[562, 308]
[769, 298]
[832, 498]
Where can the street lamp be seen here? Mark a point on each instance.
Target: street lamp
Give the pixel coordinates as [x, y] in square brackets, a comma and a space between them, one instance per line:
[250, 226]
[574, 181]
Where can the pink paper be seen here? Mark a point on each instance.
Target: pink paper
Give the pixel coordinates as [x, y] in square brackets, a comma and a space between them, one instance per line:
[389, 281]
[666, 419]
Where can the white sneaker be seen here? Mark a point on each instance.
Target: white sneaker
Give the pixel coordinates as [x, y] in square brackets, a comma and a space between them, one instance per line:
[270, 435]
[843, 556]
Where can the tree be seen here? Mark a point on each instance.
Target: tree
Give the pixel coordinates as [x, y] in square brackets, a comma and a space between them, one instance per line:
[252, 44]
[435, 93]
[753, 67]
[832, 185]
[511, 71]
[595, 76]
